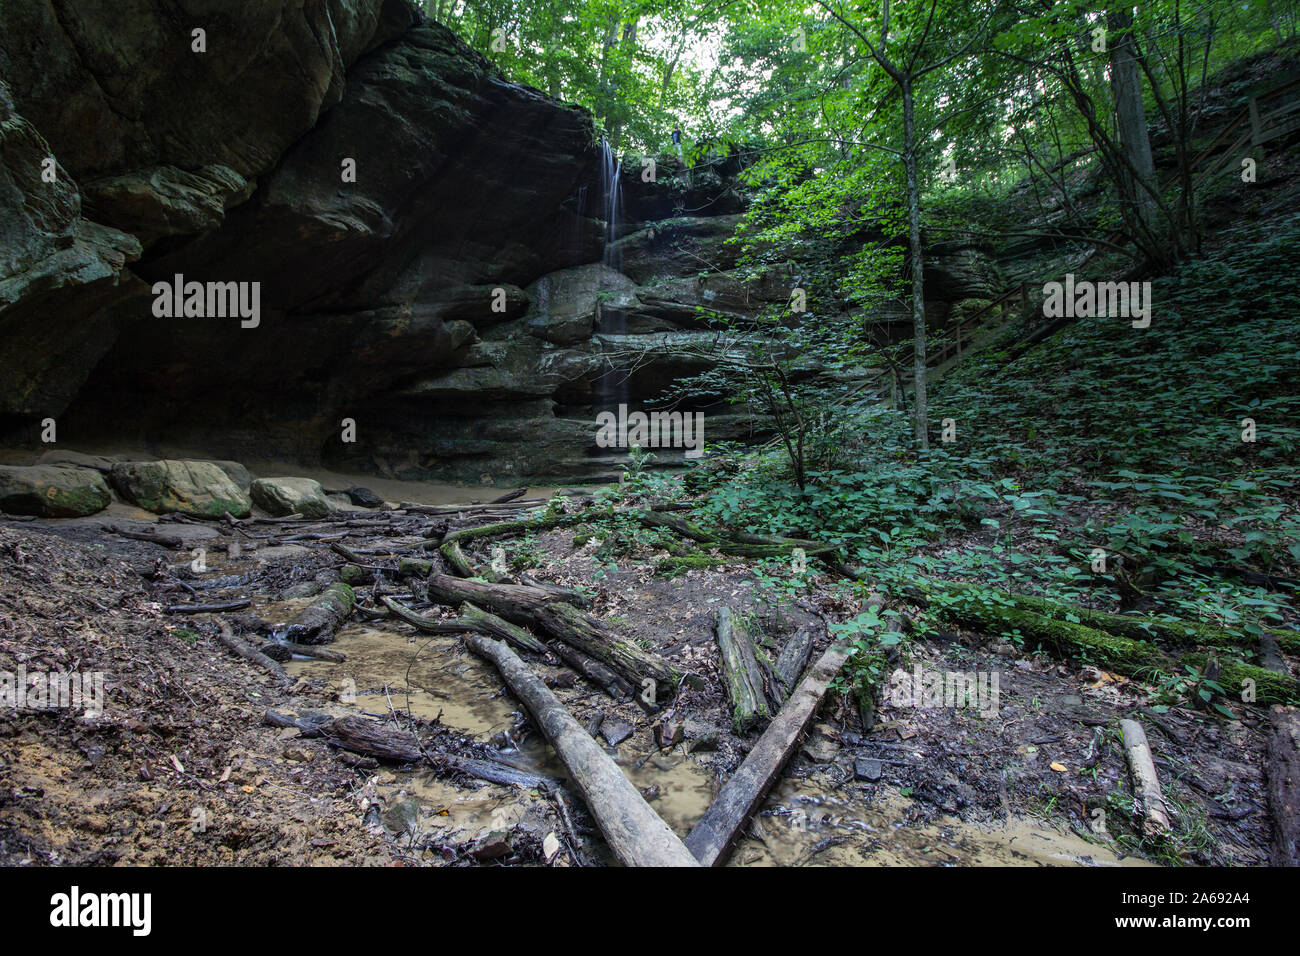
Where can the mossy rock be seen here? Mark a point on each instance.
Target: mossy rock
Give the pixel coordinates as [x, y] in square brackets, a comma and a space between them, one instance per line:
[287, 496]
[201, 489]
[52, 491]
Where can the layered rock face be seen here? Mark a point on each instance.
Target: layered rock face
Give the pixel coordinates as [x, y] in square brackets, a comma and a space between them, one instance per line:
[400, 256]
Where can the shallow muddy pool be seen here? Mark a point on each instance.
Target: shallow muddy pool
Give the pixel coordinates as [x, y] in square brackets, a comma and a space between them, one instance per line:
[802, 825]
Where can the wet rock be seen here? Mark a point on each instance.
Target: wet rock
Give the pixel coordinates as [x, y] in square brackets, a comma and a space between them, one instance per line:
[197, 488]
[52, 491]
[615, 731]
[550, 847]
[494, 846]
[867, 768]
[364, 497]
[237, 473]
[77, 460]
[402, 817]
[569, 303]
[286, 496]
[820, 750]
[668, 733]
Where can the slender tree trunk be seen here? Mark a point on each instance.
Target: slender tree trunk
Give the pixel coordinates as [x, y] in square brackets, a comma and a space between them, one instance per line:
[920, 410]
[1126, 87]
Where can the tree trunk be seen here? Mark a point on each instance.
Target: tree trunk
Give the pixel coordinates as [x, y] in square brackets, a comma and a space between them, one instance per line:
[920, 410]
[633, 831]
[1126, 87]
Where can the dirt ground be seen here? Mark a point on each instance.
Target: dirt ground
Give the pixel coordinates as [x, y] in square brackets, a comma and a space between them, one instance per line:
[181, 768]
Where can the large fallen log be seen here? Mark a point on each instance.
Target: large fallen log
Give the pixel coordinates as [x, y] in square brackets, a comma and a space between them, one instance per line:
[478, 620]
[324, 615]
[714, 835]
[1282, 767]
[1112, 651]
[633, 831]
[481, 622]
[581, 631]
[741, 675]
[514, 602]
[1145, 628]
[372, 739]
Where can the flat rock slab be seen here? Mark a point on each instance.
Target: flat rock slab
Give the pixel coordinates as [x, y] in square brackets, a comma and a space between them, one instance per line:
[615, 731]
[52, 491]
[201, 489]
[867, 768]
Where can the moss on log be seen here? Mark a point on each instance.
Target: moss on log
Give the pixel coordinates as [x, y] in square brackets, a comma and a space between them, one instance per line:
[1141, 627]
[588, 635]
[1113, 651]
[741, 675]
[324, 615]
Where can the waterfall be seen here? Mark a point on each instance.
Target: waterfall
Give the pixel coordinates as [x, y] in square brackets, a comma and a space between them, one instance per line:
[611, 185]
[612, 386]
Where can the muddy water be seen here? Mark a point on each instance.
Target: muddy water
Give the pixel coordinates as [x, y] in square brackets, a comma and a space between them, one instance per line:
[801, 825]
[433, 676]
[429, 676]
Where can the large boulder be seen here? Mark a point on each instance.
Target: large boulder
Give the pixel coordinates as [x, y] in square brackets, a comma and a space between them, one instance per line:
[198, 488]
[569, 303]
[52, 491]
[287, 496]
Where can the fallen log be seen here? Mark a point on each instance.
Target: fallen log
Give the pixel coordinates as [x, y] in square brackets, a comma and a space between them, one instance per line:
[372, 739]
[420, 509]
[170, 541]
[633, 831]
[1282, 767]
[207, 608]
[1282, 773]
[741, 675]
[478, 620]
[310, 650]
[324, 616]
[644, 670]
[560, 593]
[494, 772]
[1114, 652]
[792, 660]
[1146, 785]
[459, 563]
[251, 654]
[714, 835]
[419, 622]
[596, 672]
[1144, 628]
[515, 602]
